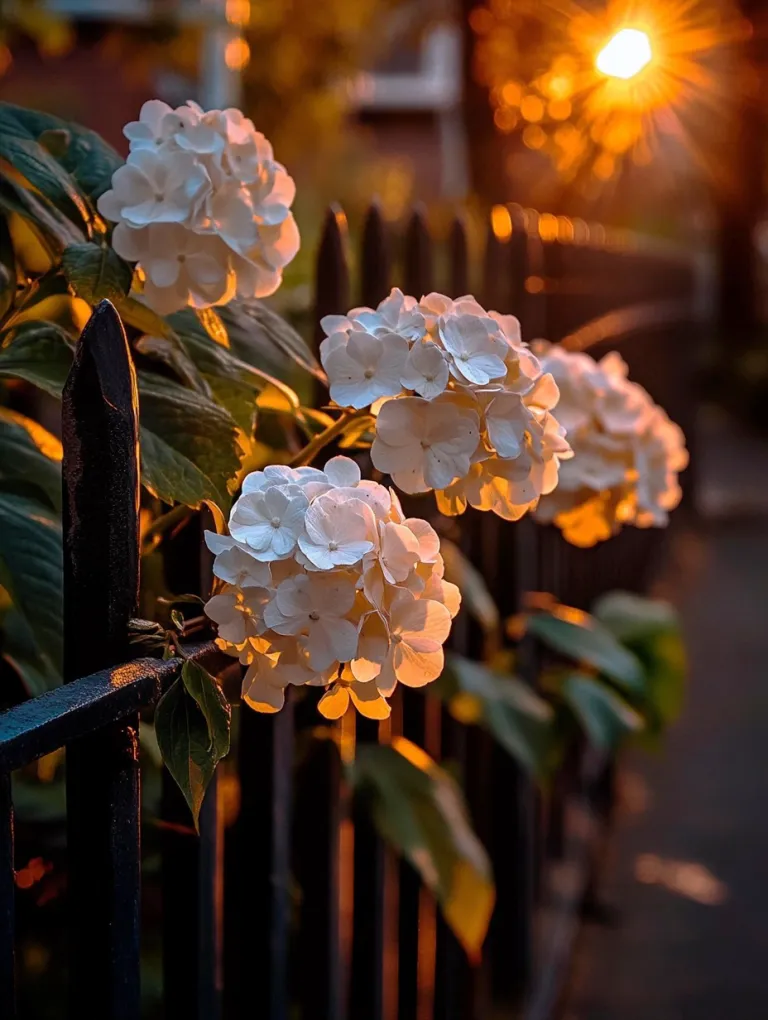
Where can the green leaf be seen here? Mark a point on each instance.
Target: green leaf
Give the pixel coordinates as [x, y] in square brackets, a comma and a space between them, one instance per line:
[86, 156]
[665, 663]
[192, 722]
[90, 161]
[604, 714]
[7, 268]
[95, 272]
[474, 591]
[419, 809]
[211, 701]
[39, 352]
[651, 630]
[52, 227]
[169, 351]
[56, 142]
[505, 705]
[30, 456]
[234, 383]
[585, 640]
[134, 313]
[22, 653]
[188, 444]
[31, 569]
[236, 397]
[211, 322]
[630, 616]
[47, 176]
[259, 336]
[22, 122]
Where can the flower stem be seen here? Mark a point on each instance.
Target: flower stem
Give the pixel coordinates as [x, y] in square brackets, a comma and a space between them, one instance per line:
[164, 523]
[322, 439]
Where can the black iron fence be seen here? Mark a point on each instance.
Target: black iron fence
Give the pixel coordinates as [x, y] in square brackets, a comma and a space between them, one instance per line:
[296, 908]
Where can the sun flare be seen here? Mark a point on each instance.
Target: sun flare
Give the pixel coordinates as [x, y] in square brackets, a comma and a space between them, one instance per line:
[625, 55]
[596, 87]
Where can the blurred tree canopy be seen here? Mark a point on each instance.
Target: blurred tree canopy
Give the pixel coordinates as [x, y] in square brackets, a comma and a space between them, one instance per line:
[298, 58]
[28, 19]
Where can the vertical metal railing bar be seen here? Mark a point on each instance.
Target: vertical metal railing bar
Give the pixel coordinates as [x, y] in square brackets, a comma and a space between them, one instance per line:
[533, 316]
[421, 724]
[101, 576]
[454, 976]
[375, 265]
[508, 561]
[555, 564]
[210, 904]
[191, 869]
[458, 258]
[7, 902]
[258, 869]
[320, 796]
[210, 946]
[331, 281]
[373, 890]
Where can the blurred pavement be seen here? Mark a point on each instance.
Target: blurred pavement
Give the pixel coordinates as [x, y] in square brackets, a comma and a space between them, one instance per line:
[684, 931]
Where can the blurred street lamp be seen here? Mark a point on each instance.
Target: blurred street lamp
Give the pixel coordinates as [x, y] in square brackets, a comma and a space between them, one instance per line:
[625, 54]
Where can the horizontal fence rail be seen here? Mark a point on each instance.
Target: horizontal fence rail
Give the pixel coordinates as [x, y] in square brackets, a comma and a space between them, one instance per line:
[290, 905]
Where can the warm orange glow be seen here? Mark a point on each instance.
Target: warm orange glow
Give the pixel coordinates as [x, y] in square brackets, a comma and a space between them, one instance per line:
[532, 108]
[237, 54]
[512, 93]
[501, 222]
[604, 166]
[559, 86]
[566, 233]
[686, 878]
[622, 78]
[548, 227]
[534, 137]
[625, 55]
[559, 109]
[505, 119]
[238, 12]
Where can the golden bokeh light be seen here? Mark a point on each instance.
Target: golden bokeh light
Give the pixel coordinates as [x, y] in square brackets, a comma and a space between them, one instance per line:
[505, 119]
[625, 54]
[501, 222]
[559, 109]
[512, 93]
[600, 87]
[534, 137]
[237, 54]
[534, 285]
[532, 108]
[548, 227]
[238, 12]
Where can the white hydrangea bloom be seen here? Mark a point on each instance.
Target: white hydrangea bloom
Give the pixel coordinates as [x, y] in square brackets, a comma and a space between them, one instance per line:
[363, 367]
[462, 406]
[202, 207]
[627, 453]
[425, 444]
[270, 520]
[426, 370]
[325, 582]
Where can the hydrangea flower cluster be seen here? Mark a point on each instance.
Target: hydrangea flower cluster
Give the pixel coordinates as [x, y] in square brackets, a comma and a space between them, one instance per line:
[462, 405]
[201, 206]
[627, 453]
[326, 582]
